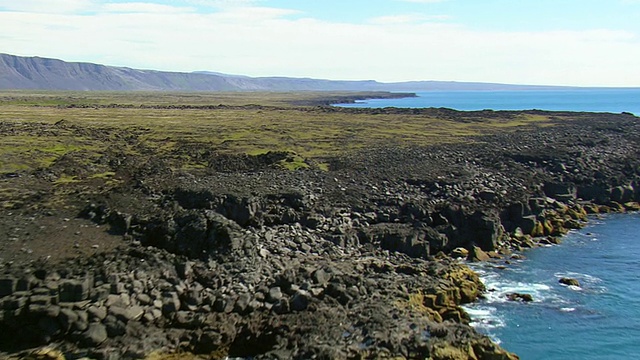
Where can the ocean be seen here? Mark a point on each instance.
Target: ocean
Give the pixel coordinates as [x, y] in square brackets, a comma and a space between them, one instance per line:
[596, 100]
[601, 318]
[598, 320]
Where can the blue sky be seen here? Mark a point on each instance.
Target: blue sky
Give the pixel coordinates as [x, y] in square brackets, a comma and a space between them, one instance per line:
[561, 42]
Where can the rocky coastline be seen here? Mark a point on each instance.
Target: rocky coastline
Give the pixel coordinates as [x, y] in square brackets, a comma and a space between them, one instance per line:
[246, 260]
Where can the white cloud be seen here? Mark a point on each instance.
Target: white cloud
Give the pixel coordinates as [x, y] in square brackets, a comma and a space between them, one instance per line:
[47, 6]
[406, 19]
[140, 7]
[224, 3]
[262, 41]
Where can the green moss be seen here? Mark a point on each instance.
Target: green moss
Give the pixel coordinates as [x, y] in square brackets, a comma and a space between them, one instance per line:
[294, 162]
[65, 179]
[323, 166]
[104, 175]
[139, 129]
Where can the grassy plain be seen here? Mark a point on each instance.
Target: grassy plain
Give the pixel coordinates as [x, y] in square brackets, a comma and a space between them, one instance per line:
[189, 127]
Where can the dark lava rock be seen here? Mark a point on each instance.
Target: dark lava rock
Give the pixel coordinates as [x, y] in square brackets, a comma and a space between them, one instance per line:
[569, 281]
[520, 297]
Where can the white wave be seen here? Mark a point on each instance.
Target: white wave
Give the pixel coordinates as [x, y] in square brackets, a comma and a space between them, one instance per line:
[580, 276]
[567, 309]
[588, 283]
[484, 317]
[498, 289]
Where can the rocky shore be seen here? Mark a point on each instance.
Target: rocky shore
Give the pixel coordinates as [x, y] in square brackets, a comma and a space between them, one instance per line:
[243, 259]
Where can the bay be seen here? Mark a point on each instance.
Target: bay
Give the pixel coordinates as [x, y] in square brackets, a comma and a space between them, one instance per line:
[592, 100]
[598, 320]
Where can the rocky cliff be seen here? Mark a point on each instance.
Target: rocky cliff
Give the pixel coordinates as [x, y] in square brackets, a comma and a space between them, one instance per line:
[245, 259]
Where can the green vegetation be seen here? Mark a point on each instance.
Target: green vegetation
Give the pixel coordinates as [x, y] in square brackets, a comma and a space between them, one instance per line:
[40, 129]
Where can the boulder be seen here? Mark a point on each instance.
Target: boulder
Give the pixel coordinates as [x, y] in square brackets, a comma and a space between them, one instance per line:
[402, 238]
[300, 301]
[476, 254]
[561, 191]
[95, 335]
[74, 290]
[7, 286]
[67, 318]
[520, 297]
[459, 252]
[528, 224]
[569, 281]
[46, 353]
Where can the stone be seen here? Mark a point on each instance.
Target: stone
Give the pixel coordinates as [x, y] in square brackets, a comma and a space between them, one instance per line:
[82, 322]
[632, 206]
[74, 290]
[487, 195]
[528, 225]
[187, 320]
[67, 318]
[114, 326]
[339, 292]
[101, 292]
[118, 288]
[281, 307]
[15, 302]
[476, 254]
[569, 281]
[43, 300]
[7, 286]
[144, 299]
[97, 313]
[520, 297]
[151, 315]
[27, 283]
[242, 303]
[193, 298]
[275, 294]
[52, 311]
[300, 301]
[121, 300]
[459, 252]
[134, 313]
[170, 302]
[95, 335]
[320, 277]
[561, 191]
[118, 312]
[46, 353]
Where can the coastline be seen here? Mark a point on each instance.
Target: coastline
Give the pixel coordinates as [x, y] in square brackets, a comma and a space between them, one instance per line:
[587, 315]
[353, 97]
[240, 257]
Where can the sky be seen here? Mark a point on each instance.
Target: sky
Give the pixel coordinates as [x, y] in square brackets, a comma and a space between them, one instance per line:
[537, 42]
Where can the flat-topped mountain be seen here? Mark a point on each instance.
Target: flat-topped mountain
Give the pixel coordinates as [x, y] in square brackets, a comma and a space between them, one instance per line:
[17, 72]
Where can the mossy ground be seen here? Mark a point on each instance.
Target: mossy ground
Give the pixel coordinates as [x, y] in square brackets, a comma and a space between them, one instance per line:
[187, 127]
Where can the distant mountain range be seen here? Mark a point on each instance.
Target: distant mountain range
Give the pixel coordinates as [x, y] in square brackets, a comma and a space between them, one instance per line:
[17, 72]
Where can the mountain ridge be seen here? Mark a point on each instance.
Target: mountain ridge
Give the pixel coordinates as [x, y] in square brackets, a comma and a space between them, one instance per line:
[40, 73]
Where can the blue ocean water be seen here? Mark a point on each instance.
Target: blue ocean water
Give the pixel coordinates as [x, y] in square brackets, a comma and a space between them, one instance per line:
[598, 320]
[596, 100]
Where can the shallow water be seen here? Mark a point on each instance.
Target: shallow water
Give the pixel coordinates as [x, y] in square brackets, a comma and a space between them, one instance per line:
[597, 100]
[598, 320]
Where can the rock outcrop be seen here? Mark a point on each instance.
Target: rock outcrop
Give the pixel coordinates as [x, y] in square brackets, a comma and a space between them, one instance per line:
[354, 262]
